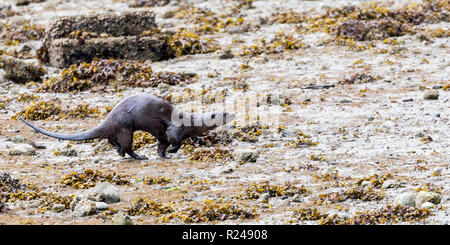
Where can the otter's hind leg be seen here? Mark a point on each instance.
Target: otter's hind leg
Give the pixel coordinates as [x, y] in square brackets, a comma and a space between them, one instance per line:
[125, 140]
[118, 148]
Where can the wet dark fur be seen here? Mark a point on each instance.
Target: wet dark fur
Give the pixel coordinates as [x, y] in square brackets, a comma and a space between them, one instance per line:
[147, 113]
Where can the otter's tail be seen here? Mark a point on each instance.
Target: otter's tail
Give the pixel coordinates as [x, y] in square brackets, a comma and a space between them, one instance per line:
[95, 133]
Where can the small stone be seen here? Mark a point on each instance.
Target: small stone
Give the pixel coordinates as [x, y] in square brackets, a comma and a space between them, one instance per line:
[22, 150]
[389, 184]
[329, 170]
[101, 206]
[224, 169]
[297, 198]
[427, 205]
[345, 101]
[427, 196]
[104, 192]
[58, 208]
[84, 208]
[366, 184]
[264, 198]
[405, 199]
[69, 153]
[227, 54]
[19, 139]
[431, 95]
[163, 87]
[246, 155]
[120, 219]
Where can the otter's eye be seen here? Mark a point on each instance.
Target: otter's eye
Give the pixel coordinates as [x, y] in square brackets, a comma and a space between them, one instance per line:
[213, 116]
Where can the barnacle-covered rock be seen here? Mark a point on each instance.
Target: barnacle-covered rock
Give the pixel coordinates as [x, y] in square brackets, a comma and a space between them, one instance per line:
[20, 71]
[89, 178]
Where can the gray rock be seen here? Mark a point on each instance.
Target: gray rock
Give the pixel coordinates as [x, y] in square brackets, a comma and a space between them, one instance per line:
[427, 205]
[163, 87]
[389, 184]
[227, 54]
[366, 184]
[406, 199]
[20, 71]
[264, 198]
[297, 198]
[329, 170]
[19, 139]
[104, 192]
[58, 208]
[426, 196]
[84, 208]
[431, 95]
[120, 219]
[246, 155]
[22, 149]
[101, 206]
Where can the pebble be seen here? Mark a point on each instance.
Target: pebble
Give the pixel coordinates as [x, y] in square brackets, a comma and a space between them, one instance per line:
[58, 208]
[405, 199]
[427, 205]
[246, 155]
[264, 198]
[19, 139]
[427, 196]
[101, 206]
[329, 170]
[120, 219]
[104, 192]
[297, 198]
[431, 95]
[84, 208]
[389, 184]
[22, 149]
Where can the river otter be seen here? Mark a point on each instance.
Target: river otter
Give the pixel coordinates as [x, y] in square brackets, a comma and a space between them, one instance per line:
[151, 114]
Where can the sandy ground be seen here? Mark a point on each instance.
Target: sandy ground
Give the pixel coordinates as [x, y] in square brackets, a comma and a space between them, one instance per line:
[362, 129]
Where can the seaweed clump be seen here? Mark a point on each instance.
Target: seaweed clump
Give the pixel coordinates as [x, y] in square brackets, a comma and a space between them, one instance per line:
[255, 190]
[44, 110]
[156, 180]
[144, 206]
[89, 178]
[359, 78]
[109, 72]
[301, 140]
[185, 42]
[355, 193]
[208, 155]
[386, 215]
[282, 42]
[12, 190]
[16, 33]
[211, 139]
[212, 211]
[141, 138]
[390, 215]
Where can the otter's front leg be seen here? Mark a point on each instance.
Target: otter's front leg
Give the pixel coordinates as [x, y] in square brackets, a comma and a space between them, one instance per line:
[175, 147]
[162, 146]
[175, 138]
